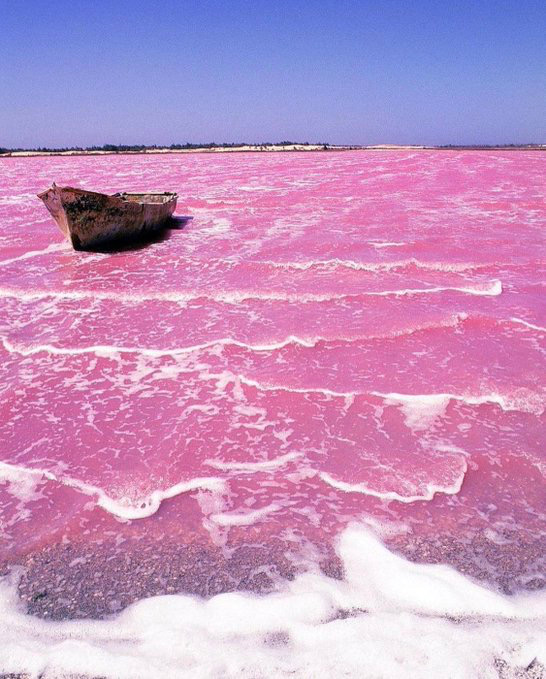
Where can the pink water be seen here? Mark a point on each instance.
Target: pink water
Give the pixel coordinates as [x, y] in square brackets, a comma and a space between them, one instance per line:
[334, 337]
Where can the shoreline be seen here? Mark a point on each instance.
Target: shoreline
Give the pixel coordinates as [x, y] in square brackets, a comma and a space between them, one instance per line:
[272, 148]
[58, 581]
[73, 566]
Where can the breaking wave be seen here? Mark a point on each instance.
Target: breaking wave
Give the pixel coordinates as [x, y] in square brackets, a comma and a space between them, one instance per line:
[491, 288]
[430, 491]
[454, 267]
[123, 507]
[453, 321]
[53, 247]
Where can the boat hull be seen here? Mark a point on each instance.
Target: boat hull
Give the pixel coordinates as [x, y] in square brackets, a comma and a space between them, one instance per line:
[90, 220]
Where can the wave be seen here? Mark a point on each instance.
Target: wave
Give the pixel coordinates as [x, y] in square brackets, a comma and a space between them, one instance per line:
[107, 350]
[112, 350]
[446, 267]
[421, 410]
[253, 467]
[387, 244]
[226, 377]
[314, 626]
[491, 288]
[18, 199]
[53, 247]
[522, 399]
[431, 489]
[531, 326]
[488, 289]
[307, 342]
[246, 518]
[122, 507]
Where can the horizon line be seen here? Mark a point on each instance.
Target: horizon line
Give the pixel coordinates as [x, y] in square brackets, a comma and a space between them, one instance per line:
[227, 146]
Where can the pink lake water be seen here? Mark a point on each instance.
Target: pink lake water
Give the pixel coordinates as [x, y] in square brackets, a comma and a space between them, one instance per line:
[335, 371]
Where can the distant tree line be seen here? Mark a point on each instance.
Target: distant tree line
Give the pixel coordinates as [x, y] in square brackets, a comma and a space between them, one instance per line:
[139, 148]
[135, 148]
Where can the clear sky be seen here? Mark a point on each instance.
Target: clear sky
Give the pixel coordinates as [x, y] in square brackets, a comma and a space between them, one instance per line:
[82, 72]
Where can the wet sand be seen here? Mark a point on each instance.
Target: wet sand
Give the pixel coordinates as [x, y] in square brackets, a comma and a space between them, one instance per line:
[79, 580]
[94, 580]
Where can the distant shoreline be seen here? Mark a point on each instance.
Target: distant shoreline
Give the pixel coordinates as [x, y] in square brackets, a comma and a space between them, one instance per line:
[255, 148]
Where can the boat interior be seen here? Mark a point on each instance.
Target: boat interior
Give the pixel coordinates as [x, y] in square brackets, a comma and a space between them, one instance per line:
[146, 197]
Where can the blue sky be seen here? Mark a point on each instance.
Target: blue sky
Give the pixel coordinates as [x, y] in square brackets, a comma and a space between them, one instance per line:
[343, 71]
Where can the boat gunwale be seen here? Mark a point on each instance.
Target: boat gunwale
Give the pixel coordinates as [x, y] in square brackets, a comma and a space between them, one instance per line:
[170, 194]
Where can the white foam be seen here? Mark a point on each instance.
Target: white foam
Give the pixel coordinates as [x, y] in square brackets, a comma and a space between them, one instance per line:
[53, 247]
[389, 495]
[106, 350]
[19, 199]
[397, 626]
[141, 508]
[253, 467]
[487, 288]
[454, 267]
[387, 244]
[521, 399]
[244, 518]
[229, 377]
[114, 350]
[20, 484]
[125, 506]
[422, 410]
[532, 326]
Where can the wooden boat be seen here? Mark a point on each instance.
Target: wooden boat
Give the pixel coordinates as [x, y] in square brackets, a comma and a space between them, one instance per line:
[90, 220]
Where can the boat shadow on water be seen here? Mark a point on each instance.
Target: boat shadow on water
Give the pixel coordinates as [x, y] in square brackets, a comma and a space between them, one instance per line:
[143, 239]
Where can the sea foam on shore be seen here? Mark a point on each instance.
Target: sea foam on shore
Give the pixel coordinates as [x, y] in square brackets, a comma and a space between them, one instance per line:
[388, 618]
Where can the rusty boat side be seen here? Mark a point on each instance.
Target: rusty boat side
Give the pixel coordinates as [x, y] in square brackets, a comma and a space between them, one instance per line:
[90, 220]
